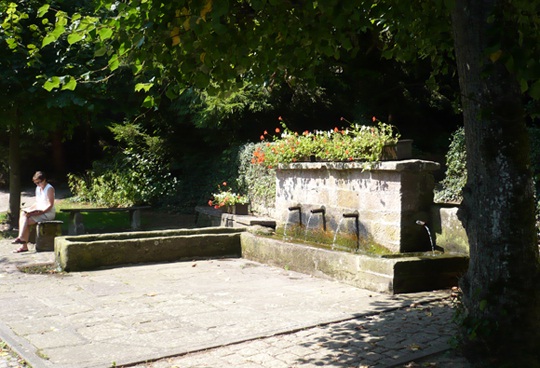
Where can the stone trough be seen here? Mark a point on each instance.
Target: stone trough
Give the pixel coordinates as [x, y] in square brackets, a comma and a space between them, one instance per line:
[88, 252]
[395, 274]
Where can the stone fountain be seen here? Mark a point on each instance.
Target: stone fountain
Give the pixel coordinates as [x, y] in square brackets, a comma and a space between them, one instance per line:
[386, 201]
[383, 202]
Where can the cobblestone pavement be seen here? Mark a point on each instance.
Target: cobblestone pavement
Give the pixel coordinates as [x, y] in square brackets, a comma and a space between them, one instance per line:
[391, 339]
[9, 359]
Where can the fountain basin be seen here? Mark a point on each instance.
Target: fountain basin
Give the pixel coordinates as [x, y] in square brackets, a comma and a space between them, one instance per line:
[396, 273]
[399, 273]
[87, 252]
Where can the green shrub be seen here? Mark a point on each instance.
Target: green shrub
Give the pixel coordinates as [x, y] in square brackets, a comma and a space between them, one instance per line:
[257, 181]
[456, 170]
[138, 173]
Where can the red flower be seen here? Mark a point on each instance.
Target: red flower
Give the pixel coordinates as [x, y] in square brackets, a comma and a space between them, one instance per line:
[210, 202]
[336, 130]
[374, 119]
[262, 137]
[277, 130]
[265, 132]
[224, 184]
[280, 118]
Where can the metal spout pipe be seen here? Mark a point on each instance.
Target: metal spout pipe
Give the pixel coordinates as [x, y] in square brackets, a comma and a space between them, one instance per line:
[318, 210]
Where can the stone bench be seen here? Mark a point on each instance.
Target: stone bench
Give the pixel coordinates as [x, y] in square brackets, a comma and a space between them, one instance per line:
[76, 225]
[46, 231]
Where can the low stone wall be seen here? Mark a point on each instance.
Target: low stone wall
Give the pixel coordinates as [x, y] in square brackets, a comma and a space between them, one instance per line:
[389, 198]
[399, 274]
[87, 252]
[448, 231]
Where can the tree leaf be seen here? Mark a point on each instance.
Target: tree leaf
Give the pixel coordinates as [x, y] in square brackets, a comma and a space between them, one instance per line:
[105, 33]
[143, 87]
[534, 90]
[48, 39]
[42, 10]
[114, 63]
[74, 38]
[70, 85]
[52, 83]
[101, 51]
[207, 8]
[148, 102]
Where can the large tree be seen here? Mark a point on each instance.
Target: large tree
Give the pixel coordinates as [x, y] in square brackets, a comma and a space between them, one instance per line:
[216, 45]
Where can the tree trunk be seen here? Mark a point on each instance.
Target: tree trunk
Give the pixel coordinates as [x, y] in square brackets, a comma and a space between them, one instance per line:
[14, 171]
[501, 296]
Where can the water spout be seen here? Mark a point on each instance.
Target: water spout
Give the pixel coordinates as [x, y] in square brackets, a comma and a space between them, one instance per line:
[293, 209]
[351, 215]
[423, 223]
[316, 211]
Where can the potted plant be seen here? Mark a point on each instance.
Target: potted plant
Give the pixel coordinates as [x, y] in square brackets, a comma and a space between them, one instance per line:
[228, 201]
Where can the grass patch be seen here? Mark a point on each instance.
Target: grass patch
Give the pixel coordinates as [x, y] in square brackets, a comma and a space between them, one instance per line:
[41, 269]
[107, 222]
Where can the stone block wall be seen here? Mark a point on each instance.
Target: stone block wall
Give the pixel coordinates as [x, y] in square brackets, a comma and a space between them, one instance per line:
[389, 197]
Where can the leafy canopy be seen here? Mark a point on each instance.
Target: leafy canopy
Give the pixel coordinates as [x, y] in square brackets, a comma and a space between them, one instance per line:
[218, 45]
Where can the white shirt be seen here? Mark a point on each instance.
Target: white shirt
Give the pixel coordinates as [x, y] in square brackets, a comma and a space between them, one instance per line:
[42, 199]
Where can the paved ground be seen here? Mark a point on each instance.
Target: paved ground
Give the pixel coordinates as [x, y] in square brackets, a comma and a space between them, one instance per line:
[217, 313]
[230, 313]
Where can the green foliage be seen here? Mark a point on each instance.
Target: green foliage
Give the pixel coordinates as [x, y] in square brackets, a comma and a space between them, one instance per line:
[456, 170]
[258, 181]
[226, 197]
[136, 174]
[355, 142]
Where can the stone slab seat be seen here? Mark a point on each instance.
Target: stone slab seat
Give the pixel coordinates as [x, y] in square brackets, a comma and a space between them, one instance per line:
[46, 231]
[76, 225]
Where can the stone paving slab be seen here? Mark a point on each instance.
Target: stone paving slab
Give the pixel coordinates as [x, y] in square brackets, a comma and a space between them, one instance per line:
[221, 310]
[395, 338]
